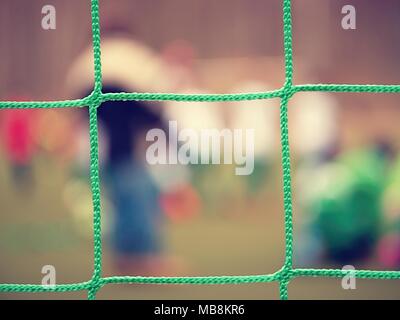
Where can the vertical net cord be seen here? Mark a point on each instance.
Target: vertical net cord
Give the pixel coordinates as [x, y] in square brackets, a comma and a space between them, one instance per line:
[96, 98]
[286, 271]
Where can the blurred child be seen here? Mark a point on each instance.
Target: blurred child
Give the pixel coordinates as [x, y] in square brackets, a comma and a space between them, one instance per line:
[135, 192]
[135, 195]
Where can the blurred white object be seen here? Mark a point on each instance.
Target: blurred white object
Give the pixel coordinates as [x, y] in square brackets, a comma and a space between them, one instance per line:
[313, 122]
[195, 116]
[124, 62]
[260, 115]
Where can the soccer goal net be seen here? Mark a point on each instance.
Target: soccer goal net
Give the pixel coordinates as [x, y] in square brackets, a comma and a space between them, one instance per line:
[285, 274]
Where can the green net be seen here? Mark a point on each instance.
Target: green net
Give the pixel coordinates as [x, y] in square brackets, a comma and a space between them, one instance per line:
[94, 100]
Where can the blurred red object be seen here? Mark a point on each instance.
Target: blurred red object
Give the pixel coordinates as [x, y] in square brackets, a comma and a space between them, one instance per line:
[181, 204]
[17, 133]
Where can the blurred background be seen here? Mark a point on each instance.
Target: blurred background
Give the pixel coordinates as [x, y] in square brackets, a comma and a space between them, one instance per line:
[344, 147]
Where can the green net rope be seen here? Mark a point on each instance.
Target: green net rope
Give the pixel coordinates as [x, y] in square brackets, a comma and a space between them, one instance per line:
[94, 100]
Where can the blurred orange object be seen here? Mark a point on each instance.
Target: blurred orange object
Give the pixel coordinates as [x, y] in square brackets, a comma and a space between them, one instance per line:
[56, 133]
[181, 204]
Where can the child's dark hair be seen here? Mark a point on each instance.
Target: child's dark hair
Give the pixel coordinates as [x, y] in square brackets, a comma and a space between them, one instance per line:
[125, 120]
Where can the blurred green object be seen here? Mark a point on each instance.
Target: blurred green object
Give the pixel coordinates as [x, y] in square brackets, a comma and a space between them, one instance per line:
[347, 206]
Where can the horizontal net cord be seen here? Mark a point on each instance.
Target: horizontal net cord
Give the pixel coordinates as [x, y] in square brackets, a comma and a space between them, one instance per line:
[45, 104]
[372, 88]
[212, 280]
[200, 280]
[187, 97]
[81, 286]
[338, 273]
[210, 97]
[124, 96]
